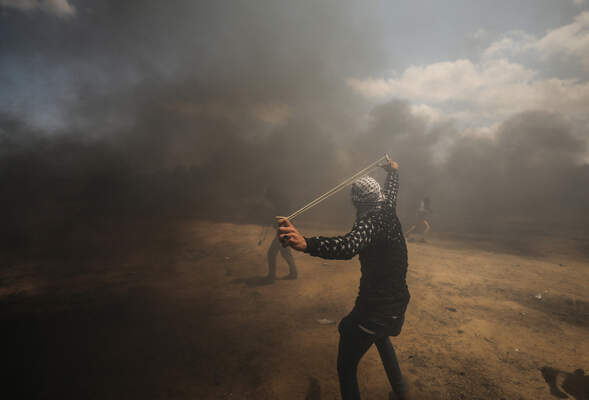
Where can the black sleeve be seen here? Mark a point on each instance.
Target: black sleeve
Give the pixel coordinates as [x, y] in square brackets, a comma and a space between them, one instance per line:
[363, 234]
[391, 190]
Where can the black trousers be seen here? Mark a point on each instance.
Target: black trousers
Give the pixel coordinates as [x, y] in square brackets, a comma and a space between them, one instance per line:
[356, 336]
[276, 247]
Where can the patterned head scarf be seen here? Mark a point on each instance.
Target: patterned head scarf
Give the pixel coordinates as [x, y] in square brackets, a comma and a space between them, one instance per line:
[366, 192]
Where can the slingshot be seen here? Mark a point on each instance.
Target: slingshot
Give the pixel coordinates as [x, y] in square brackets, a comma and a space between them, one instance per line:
[337, 188]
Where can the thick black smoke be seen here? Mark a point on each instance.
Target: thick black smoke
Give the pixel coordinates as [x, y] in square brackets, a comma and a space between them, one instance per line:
[194, 109]
[531, 172]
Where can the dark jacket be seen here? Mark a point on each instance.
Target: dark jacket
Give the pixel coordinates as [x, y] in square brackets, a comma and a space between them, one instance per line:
[378, 238]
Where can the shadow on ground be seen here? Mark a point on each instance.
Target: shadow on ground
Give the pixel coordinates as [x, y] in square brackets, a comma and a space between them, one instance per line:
[254, 281]
[564, 384]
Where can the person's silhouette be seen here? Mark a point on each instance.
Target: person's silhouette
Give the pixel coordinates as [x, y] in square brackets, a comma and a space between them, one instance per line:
[278, 204]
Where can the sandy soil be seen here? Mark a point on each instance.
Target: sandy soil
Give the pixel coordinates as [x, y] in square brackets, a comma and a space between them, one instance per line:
[186, 315]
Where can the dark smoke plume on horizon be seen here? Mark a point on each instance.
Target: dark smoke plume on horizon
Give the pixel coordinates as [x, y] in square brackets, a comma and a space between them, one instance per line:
[143, 109]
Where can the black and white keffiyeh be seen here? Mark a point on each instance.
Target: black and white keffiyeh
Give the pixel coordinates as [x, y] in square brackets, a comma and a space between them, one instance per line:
[366, 191]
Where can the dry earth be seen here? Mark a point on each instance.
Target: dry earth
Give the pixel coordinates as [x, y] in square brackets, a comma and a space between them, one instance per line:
[185, 315]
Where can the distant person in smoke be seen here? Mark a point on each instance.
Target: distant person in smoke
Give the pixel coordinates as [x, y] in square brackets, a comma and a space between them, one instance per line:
[422, 225]
[278, 204]
[380, 306]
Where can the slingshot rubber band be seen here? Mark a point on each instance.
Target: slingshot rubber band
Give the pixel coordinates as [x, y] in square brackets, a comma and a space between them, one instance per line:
[337, 188]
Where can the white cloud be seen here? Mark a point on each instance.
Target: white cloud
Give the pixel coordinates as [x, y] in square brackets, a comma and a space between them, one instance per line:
[490, 90]
[570, 40]
[512, 43]
[457, 81]
[480, 34]
[61, 8]
[431, 114]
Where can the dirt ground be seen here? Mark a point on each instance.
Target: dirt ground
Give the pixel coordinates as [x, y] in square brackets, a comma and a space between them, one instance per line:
[186, 315]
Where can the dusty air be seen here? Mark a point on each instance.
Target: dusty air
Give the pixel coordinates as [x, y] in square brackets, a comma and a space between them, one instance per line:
[292, 200]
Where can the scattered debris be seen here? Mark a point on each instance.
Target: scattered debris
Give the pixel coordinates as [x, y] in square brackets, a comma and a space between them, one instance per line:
[325, 321]
[460, 331]
[227, 258]
[538, 296]
[451, 309]
[516, 349]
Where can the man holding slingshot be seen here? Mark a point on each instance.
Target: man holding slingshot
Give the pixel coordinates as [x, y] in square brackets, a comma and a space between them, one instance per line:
[381, 303]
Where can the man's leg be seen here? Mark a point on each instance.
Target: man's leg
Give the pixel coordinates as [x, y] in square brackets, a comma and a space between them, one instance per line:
[391, 365]
[353, 344]
[426, 229]
[292, 268]
[272, 253]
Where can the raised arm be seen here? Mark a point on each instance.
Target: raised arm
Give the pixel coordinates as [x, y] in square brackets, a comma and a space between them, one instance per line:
[391, 189]
[391, 185]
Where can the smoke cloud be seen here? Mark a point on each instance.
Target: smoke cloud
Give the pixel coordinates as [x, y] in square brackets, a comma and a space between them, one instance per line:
[60, 8]
[194, 109]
